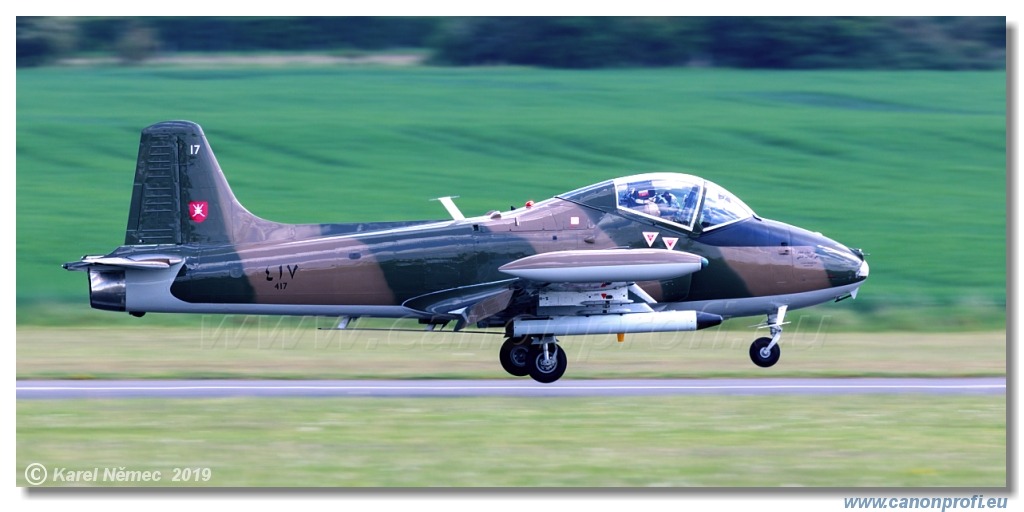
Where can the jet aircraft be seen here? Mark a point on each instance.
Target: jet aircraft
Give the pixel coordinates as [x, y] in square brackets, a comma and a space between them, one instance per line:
[656, 252]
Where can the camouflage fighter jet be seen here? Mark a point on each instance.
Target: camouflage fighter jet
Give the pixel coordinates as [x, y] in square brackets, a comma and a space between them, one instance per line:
[645, 253]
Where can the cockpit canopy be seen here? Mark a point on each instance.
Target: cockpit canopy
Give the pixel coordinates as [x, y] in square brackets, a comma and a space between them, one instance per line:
[679, 199]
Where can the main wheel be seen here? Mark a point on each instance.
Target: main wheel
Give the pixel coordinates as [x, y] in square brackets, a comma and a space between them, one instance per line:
[513, 356]
[546, 370]
[760, 354]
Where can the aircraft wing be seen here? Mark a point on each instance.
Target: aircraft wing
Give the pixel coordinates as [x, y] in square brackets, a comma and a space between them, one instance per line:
[469, 303]
[148, 263]
[575, 279]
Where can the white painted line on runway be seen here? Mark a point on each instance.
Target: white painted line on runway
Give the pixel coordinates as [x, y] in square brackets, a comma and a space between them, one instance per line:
[113, 389]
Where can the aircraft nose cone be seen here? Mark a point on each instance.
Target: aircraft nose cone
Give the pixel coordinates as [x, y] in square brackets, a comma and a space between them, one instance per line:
[864, 270]
[843, 266]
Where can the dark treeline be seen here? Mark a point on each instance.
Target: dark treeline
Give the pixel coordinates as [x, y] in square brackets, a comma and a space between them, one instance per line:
[560, 42]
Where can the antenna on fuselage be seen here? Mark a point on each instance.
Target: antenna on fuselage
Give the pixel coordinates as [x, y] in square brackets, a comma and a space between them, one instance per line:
[449, 205]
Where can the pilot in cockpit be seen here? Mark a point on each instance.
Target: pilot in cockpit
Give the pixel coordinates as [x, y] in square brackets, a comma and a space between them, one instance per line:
[668, 198]
[668, 205]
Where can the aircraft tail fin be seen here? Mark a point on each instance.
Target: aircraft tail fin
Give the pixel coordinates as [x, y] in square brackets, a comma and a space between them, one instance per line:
[180, 195]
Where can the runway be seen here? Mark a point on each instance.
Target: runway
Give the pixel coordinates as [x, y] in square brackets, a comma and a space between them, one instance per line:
[68, 389]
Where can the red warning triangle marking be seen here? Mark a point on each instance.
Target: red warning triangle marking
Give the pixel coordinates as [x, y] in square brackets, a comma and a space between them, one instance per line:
[650, 237]
[670, 243]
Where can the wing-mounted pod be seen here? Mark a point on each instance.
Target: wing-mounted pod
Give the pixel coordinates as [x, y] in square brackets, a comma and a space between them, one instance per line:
[603, 266]
[587, 292]
[664, 321]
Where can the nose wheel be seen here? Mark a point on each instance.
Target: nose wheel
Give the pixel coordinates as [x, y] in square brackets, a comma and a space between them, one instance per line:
[764, 353]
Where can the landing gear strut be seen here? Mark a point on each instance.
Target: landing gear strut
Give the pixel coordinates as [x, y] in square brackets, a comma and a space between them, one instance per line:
[539, 357]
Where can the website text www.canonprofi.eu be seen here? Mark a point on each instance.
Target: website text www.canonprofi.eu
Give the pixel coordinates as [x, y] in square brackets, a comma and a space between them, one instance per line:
[975, 502]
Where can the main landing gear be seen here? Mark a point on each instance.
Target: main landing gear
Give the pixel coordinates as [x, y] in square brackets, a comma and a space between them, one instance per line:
[539, 357]
[765, 352]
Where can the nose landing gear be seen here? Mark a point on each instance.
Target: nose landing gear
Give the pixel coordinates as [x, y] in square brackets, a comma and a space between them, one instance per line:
[765, 352]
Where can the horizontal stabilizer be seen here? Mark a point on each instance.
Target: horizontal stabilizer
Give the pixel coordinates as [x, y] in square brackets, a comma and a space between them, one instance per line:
[608, 265]
[150, 263]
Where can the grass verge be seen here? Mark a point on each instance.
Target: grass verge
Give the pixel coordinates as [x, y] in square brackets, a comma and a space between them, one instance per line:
[693, 441]
[263, 347]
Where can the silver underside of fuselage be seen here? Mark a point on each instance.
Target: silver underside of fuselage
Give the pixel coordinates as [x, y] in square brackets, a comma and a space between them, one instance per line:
[149, 291]
[769, 304]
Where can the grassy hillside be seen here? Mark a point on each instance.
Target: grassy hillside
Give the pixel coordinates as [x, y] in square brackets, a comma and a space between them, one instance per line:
[910, 166]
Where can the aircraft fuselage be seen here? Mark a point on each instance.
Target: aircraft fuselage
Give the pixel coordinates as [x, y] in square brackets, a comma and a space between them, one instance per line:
[383, 269]
[654, 252]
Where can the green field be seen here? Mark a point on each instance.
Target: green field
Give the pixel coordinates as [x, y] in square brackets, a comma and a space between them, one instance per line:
[910, 166]
[689, 441]
[280, 351]
[692, 441]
